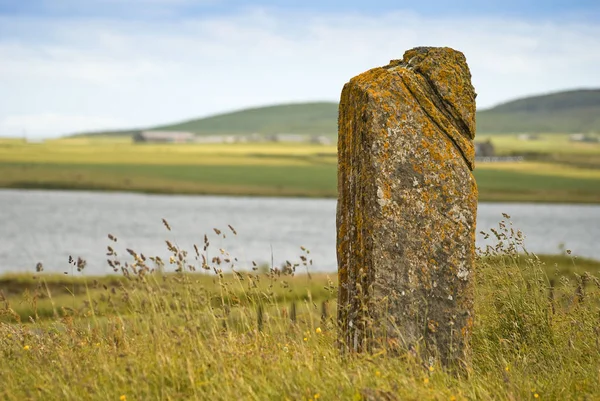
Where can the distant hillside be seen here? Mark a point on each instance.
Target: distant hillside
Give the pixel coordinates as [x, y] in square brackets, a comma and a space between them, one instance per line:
[572, 111]
[302, 118]
[318, 118]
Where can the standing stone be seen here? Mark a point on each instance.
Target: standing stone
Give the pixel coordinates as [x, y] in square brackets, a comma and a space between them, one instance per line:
[407, 206]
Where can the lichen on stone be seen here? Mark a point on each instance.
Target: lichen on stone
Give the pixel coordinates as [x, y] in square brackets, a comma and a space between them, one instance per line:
[407, 205]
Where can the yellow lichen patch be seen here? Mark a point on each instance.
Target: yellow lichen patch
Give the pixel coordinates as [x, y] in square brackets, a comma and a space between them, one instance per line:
[407, 203]
[445, 69]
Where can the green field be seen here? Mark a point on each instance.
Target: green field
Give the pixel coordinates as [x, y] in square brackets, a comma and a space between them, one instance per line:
[271, 335]
[558, 170]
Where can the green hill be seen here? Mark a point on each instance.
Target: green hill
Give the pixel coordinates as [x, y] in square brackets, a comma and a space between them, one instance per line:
[318, 118]
[571, 111]
[566, 112]
[301, 118]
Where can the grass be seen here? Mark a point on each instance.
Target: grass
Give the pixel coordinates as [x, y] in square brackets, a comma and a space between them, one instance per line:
[317, 181]
[498, 184]
[270, 334]
[560, 171]
[542, 169]
[570, 111]
[316, 118]
[547, 144]
[57, 290]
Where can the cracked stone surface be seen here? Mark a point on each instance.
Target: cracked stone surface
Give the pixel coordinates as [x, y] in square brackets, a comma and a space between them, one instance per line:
[407, 206]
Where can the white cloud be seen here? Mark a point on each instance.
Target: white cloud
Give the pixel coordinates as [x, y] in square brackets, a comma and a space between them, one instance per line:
[140, 74]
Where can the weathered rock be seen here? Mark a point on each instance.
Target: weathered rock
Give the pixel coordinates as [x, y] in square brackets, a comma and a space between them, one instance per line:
[407, 206]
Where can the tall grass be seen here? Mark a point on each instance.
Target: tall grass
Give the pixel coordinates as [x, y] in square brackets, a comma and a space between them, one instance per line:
[163, 331]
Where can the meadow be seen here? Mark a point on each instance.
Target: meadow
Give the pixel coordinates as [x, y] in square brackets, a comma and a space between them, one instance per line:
[555, 169]
[194, 328]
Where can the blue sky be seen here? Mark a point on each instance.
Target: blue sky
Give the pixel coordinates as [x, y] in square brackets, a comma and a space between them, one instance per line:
[74, 65]
[136, 9]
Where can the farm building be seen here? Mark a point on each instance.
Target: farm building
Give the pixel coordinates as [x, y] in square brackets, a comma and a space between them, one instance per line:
[287, 138]
[583, 138]
[484, 149]
[528, 137]
[164, 136]
[217, 139]
[321, 140]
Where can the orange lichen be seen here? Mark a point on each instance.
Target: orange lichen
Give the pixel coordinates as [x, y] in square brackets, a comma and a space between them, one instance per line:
[406, 195]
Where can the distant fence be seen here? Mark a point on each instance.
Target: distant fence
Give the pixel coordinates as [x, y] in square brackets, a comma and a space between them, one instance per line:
[499, 159]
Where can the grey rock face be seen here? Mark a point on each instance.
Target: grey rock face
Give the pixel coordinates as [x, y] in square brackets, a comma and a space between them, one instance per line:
[407, 207]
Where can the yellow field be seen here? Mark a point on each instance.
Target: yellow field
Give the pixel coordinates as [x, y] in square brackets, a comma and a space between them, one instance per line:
[540, 168]
[105, 151]
[556, 169]
[547, 143]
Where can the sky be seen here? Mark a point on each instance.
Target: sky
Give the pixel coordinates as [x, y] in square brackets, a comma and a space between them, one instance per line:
[69, 66]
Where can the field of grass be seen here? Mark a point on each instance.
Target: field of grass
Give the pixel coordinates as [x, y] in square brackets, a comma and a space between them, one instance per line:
[546, 144]
[315, 118]
[254, 335]
[559, 171]
[554, 150]
[568, 111]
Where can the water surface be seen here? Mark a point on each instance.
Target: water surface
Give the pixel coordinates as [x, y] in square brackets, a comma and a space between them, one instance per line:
[49, 226]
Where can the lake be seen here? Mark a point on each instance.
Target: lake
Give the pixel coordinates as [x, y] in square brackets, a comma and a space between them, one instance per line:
[49, 226]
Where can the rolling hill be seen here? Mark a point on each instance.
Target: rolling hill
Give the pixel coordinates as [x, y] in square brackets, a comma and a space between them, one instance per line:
[565, 112]
[571, 111]
[301, 118]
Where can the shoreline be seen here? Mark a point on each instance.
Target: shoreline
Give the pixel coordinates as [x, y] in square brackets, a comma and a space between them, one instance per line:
[519, 197]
